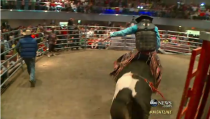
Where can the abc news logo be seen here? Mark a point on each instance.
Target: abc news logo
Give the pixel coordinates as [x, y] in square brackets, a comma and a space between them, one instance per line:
[155, 103]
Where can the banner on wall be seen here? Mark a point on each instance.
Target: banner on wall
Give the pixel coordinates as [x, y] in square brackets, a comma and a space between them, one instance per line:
[197, 33]
[63, 24]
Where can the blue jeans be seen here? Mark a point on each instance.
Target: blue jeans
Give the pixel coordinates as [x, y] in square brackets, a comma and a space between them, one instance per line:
[30, 63]
[101, 45]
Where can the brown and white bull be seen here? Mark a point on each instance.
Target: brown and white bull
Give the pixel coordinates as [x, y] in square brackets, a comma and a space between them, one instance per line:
[133, 91]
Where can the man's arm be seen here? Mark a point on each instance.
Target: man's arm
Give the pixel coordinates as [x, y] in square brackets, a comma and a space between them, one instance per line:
[158, 37]
[37, 45]
[48, 37]
[127, 31]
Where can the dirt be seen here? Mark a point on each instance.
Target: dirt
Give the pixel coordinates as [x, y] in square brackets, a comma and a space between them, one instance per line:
[76, 85]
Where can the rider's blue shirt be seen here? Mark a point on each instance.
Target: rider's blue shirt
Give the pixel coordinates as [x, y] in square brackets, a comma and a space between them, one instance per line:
[132, 30]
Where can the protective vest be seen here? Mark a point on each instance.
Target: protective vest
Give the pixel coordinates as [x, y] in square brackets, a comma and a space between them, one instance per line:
[146, 39]
[28, 47]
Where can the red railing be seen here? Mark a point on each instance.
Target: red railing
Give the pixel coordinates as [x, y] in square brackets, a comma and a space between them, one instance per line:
[208, 115]
[187, 90]
[204, 100]
[200, 88]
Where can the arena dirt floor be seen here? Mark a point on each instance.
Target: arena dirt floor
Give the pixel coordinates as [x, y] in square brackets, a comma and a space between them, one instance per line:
[76, 85]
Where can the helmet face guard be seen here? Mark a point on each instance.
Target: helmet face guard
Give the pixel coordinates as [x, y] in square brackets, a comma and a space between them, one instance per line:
[146, 20]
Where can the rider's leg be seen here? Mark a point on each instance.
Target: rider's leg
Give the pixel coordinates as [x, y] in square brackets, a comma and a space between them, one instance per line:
[116, 63]
[124, 57]
[156, 68]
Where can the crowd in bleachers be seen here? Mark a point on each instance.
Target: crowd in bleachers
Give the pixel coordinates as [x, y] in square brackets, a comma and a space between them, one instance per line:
[157, 9]
[94, 36]
[78, 37]
[179, 41]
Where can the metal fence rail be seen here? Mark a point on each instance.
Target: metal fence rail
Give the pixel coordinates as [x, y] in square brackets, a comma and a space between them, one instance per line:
[88, 37]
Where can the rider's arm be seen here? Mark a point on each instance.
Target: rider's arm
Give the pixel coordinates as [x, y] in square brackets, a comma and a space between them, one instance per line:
[127, 31]
[158, 37]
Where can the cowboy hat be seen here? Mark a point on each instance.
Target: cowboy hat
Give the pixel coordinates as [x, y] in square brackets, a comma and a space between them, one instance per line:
[27, 32]
[140, 18]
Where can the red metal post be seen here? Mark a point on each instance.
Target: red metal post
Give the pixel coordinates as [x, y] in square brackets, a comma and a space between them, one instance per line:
[208, 115]
[190, 74]
[203, 67]
[205, 97]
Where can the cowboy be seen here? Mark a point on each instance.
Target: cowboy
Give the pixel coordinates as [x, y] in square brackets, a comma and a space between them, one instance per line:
[147, 40]
[27, 48]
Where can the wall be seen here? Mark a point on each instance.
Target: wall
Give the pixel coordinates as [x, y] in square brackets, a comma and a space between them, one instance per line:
[16, 23]
[26, 15]
[32, 22]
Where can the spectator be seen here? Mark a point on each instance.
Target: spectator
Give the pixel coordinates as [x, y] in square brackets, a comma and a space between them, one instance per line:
[14, 45]
[33, 36]
[27, 48]
[90, 41]
[6, 44]
[76, 40]
[101, 45]
[70, 25]
[119, 7]
[67, 5]
[208, 13]
[107, 43]
[83, 42]
[202, 13]
[73, 6]
[71, 42]
[2, 52]
[195, 15]
[90, 33]
[3, 66]
[194, 8]
[94, 44]
[11, 36]
[64, 33]
[52, 39]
